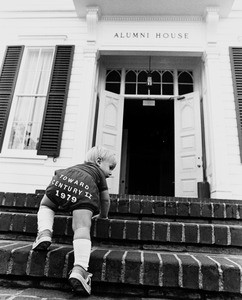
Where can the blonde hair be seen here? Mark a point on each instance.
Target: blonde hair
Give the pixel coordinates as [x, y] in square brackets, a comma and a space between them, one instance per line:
[99, 152]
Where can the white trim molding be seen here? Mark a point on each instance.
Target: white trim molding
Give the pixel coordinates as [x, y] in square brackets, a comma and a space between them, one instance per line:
[61, 37]
[212, 20]
[92, 21]
[147, 18]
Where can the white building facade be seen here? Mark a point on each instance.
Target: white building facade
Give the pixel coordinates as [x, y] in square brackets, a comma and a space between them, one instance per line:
[159, 83]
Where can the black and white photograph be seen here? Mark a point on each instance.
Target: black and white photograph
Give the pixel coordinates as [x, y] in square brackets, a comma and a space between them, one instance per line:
[121, 149]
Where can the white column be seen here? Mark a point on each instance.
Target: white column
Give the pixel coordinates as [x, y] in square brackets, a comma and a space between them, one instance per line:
[85, 120]
[218, 165]
[89, 66]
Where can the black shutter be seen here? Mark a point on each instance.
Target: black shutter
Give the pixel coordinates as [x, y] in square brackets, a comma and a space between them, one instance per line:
[236, 62]
[53, 121]
[8, 78]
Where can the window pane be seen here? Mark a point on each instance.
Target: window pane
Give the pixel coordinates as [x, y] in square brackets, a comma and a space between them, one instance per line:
[19, 124]
[113, 87]
[28, 74]
[185, 77]
[113, 81]
[27, 122]
[130, 88]
[34, 124]
[43, 72]
[130, 76]
[185, 82]
[156, 76]
[167, 89]
[167, 76]
[185, 89]
[155, 89]
[142, 89]
[113, 76]
[142, 76]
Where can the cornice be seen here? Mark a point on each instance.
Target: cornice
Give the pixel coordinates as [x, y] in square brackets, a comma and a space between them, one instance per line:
[152, 18]
[38, 14]
[43, 36]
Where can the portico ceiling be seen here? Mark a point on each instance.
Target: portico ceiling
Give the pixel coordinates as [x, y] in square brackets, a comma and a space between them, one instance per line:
[153, 7]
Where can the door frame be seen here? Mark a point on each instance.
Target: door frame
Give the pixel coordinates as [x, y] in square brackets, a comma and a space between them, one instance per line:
[124, 172]
[118, 64]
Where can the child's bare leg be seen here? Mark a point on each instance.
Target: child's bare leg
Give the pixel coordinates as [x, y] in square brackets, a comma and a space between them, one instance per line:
[81, 224]
[45, 218]
[46, 214]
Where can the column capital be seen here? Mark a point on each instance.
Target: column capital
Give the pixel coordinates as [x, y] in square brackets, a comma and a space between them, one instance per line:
[211, 53]
[91, 52]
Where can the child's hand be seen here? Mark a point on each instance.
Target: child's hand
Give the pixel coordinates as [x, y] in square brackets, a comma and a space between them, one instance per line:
[99, 217]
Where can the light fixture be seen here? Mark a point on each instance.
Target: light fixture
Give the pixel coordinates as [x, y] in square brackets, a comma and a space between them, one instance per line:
[149, 76]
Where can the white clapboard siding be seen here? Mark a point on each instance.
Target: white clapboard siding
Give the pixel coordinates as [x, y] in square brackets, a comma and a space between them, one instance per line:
[23, 175]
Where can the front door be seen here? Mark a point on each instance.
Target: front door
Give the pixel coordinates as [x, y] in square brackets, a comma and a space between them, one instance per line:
[161, 144]
[188, 145]
[109, 131]
[148, 147]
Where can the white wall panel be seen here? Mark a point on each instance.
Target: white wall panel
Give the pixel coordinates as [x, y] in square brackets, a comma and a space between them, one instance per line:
[58, 25]
[228, 36]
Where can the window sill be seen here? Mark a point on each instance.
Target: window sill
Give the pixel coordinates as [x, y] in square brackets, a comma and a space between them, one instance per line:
[22, 155]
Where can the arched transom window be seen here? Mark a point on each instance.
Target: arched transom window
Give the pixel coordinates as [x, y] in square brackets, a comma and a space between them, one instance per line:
[164, 82]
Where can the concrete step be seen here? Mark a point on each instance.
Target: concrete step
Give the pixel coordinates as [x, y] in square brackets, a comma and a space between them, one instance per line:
[152, 270]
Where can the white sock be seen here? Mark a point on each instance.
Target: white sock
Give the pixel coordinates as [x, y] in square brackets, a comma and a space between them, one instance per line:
[45, 218]
[82, 252]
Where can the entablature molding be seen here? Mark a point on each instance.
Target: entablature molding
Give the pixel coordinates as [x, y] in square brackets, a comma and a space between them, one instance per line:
[151, 18]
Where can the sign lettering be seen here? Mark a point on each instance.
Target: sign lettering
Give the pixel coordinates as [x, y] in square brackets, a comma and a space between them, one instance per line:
[147, 35]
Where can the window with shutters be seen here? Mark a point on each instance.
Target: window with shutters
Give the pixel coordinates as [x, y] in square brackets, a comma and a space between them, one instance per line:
[30, 98]
[236, 64]
[53, 122]
[32, 112]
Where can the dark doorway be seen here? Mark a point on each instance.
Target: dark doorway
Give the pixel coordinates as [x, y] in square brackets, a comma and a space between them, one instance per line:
[148, 148]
